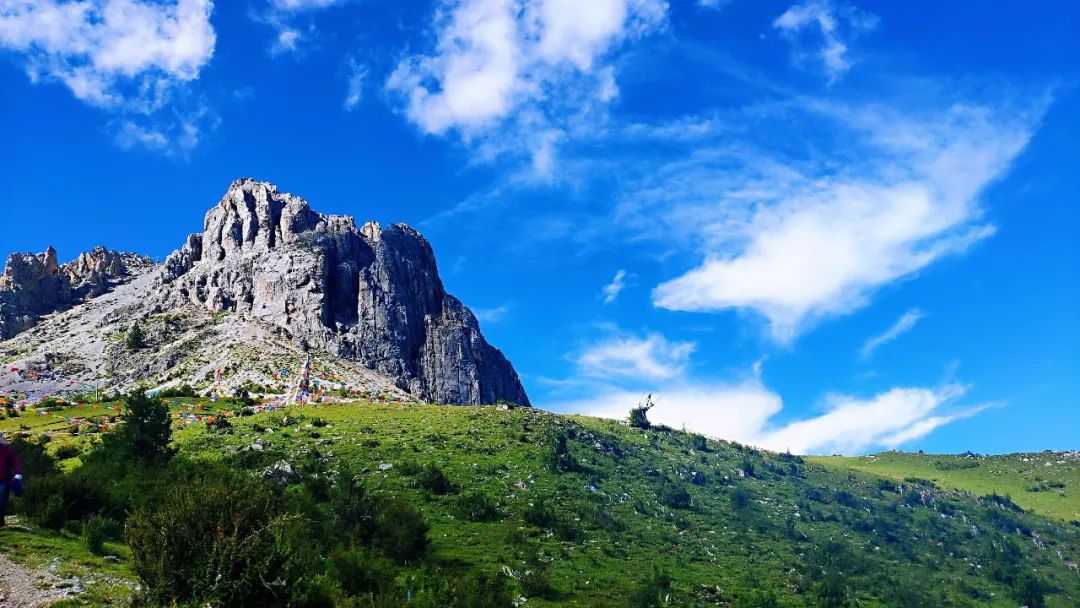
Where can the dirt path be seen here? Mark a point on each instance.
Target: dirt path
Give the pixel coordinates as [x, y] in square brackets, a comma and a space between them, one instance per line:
[22, 587]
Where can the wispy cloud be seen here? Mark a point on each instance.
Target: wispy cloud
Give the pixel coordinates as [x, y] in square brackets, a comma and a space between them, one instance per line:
[355, 85]
[652, 357]
[745, 411]
[285, 18]
[904, 324]
[510, 76]
[495, 314]
[797, 242]
[830, 23]
[612, 290]
[131, 59]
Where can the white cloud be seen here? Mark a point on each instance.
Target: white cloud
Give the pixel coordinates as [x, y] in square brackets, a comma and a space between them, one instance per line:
[303, 5]
[175, 136]
[287, 41]
[355, 86]
[832, 21]
[797, 242]
[611, 290]
[134, 59]
[746, 412]
[491, 315]
[503, 70]
[852, 425]
[650, 358]
[731, 411]
[904, 324]
[111, 53]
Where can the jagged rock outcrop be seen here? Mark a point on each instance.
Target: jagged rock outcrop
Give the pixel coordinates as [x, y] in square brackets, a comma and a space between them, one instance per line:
[371, 294]
[33, 285]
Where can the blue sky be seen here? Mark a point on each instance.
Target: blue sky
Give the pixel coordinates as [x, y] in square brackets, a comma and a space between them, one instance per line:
[818, 226]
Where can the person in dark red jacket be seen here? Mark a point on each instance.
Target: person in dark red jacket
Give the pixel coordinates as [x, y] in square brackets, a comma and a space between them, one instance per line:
[10, 474]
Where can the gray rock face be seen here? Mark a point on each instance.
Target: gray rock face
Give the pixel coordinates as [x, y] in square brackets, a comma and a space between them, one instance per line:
[371, 294]
[33, 285]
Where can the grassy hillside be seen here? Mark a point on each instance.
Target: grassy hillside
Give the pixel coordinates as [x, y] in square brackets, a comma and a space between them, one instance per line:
[1047, 483]
[523, 505]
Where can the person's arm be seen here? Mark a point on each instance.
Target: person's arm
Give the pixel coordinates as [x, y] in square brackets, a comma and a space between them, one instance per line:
[16, 464]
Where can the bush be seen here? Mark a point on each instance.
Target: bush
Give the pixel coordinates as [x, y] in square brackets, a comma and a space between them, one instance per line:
[401, 533]
[360, 571]
[146, 431]
[67, 452]
[217, 540]
[184, 390]
[699, 443]
[477, 506]
[674, 496]
[539, 514]
[559, 458]
[433, 480]
[96, 530]
[135, 337]
[536, 582]
[652, 591]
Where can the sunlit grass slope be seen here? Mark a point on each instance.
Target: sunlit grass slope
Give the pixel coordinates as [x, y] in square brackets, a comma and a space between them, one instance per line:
[1047, 483]
[583, 511]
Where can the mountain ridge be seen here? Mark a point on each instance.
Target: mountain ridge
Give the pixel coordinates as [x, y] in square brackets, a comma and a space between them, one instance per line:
[367, 295]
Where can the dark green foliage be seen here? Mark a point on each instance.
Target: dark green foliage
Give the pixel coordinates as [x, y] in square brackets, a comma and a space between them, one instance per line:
[146, 432]
[401, 533]
[135, 337]
[217, 540]
[652, 591]
[434, 480]
[639, 418]
[539, 514]
[362, 571]
[1030, 591]
[699, 443]
[96, 530]
[536, 582]
[560, 460]
[674, 496]
[740, 498]
[477, 506]
[220, 424]
[184, 390]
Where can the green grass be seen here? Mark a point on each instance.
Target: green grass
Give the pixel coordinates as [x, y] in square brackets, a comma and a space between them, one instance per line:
[607, 511]
[1047, 483]
[108, 579]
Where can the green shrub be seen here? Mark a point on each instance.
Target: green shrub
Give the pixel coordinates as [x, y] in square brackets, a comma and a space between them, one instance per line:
[559, 458]
[401, 533]
[135, 337]
[146, 432]
[740, 498]
[477, 506]
[699, 443]
[67, 452]
[535, 581]
[432, 479]
[539, 514]
[674, 496]
[218, 540]
[361, 571]
[184, 390]
[652, 591]
[95, 531]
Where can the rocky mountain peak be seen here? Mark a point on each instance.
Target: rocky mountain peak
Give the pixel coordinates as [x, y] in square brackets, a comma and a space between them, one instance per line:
[371, 294]
[34, 285]
[370, 297]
